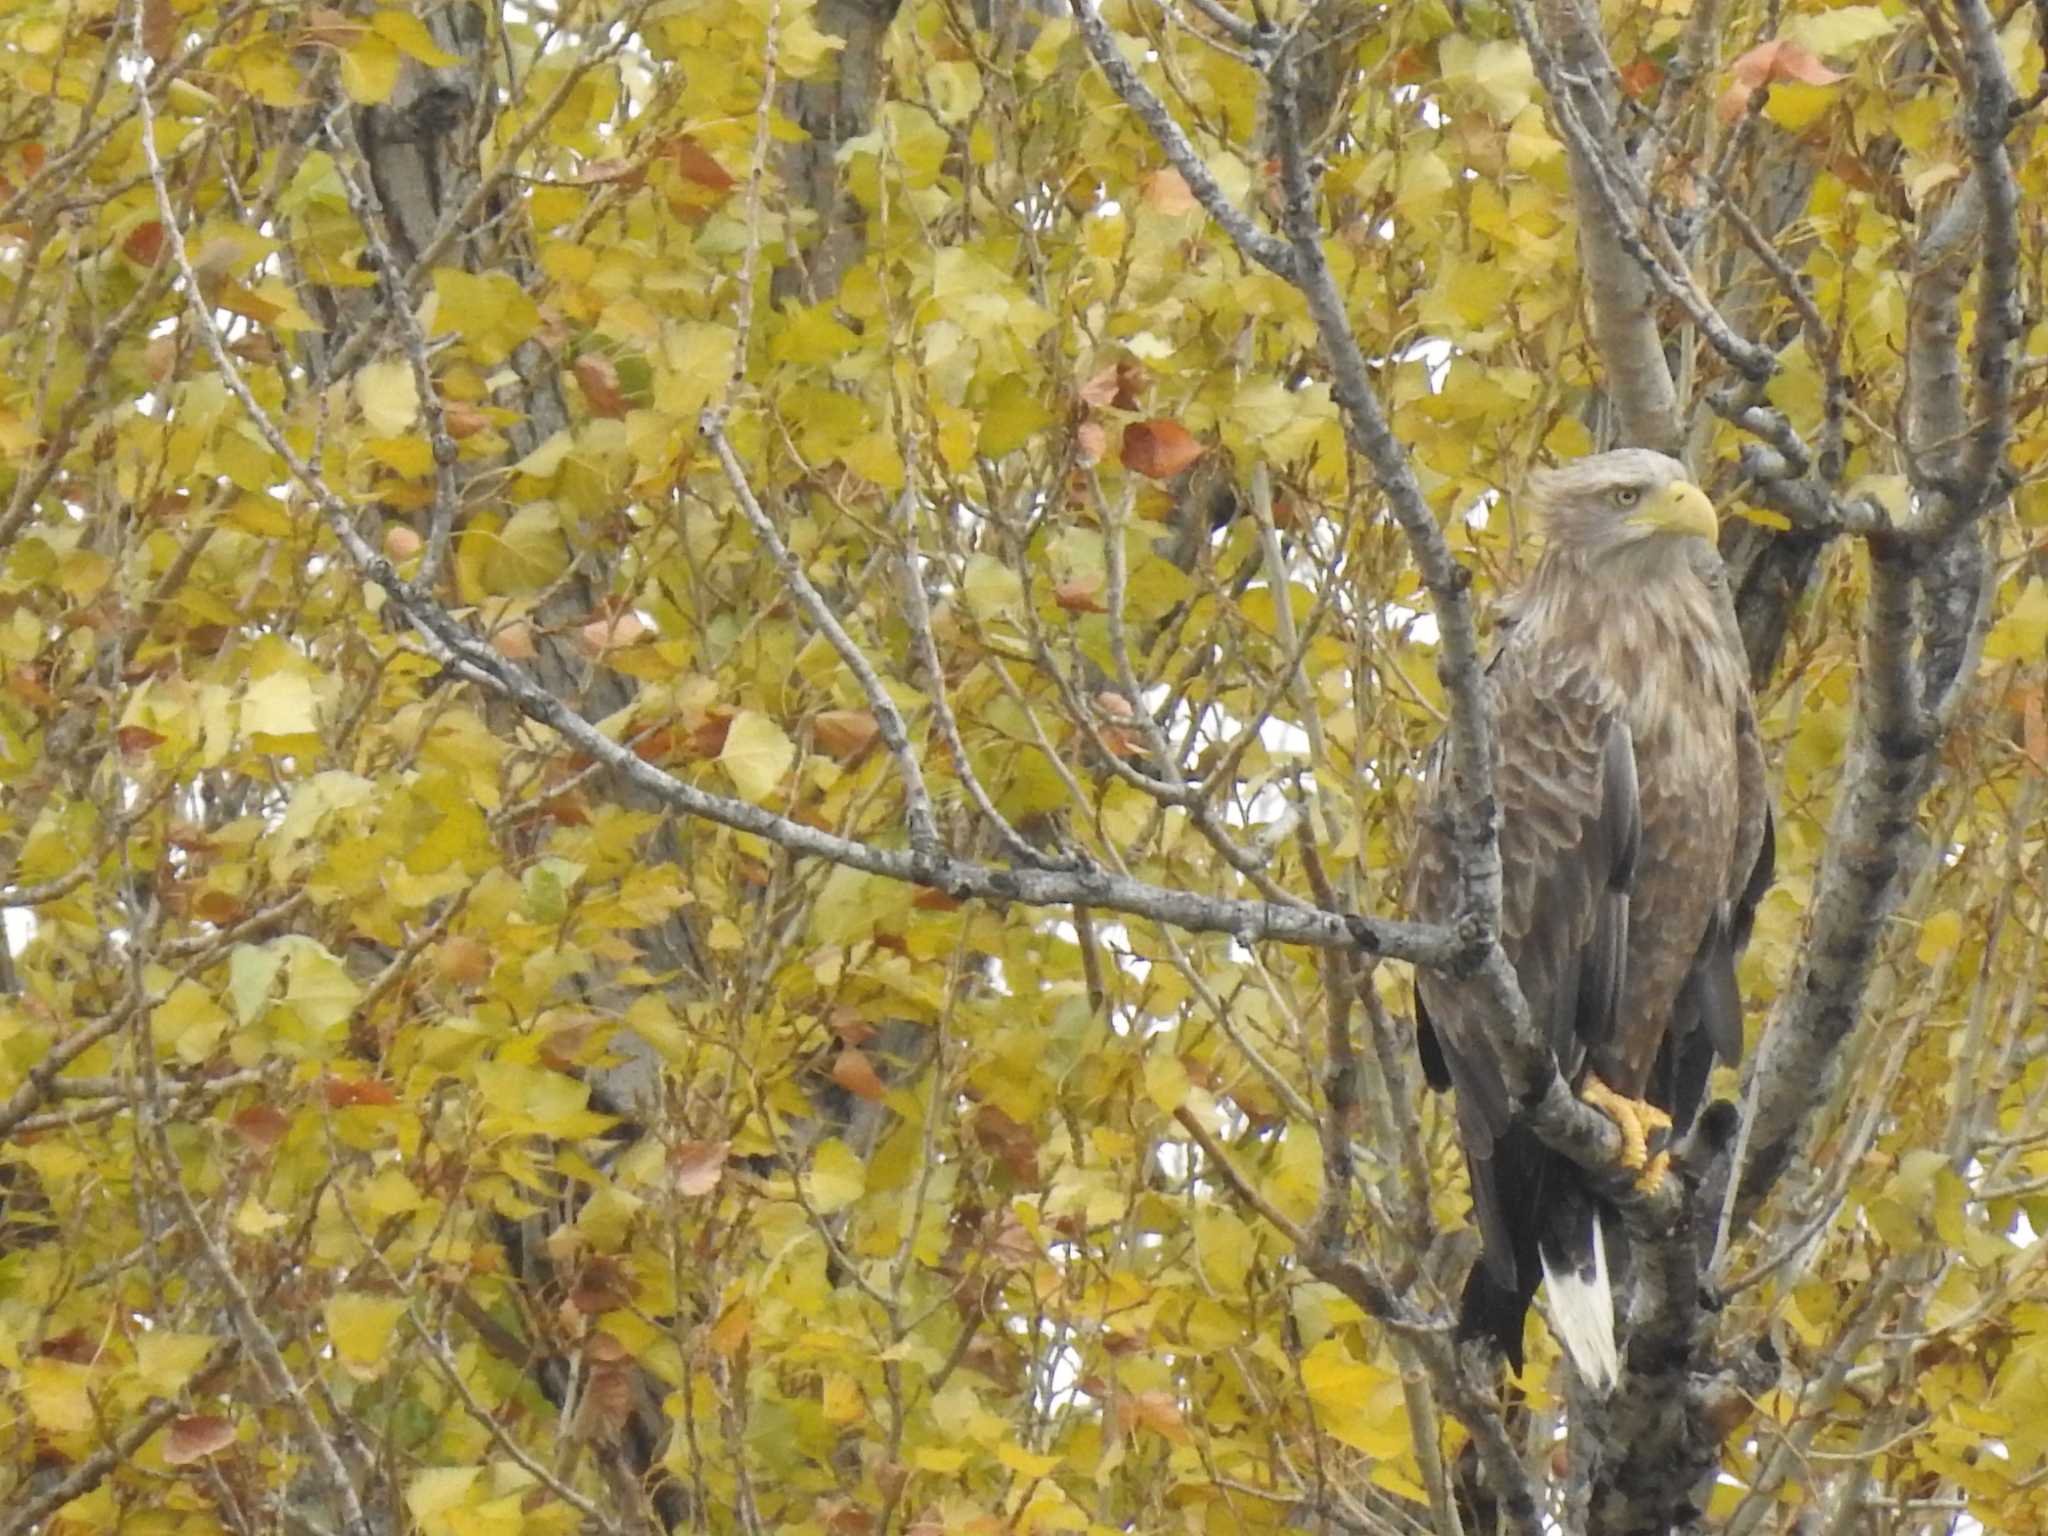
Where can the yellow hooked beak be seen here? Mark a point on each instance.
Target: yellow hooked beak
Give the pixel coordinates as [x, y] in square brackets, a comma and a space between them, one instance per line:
[1682, 508]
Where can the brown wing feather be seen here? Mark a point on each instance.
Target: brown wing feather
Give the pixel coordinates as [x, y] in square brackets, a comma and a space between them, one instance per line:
[1564, 773]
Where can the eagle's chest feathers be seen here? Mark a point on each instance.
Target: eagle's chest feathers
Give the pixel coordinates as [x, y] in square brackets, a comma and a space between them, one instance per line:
[1653, 641]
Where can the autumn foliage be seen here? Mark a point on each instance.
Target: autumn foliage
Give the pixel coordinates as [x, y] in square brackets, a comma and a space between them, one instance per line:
[529, 535]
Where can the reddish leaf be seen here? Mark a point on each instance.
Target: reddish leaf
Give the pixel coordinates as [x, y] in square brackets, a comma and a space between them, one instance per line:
[347, 1092]
[463, 420]
[1131, 380]
[262, 1126]
[1159, 1411]
[1782, 59]
[609, 634]
[1642, 77]
[695, 164]
[1092, 439]
[1100, 387]
[849, 1026]
[844, 733]
[514, 641]
[707, 737]
[1160, 449]
[1166, 192]
[852, 1071]
[600, 1287]
[929, 900]
[137, 738]
[462, 960]
[197, 1437]
[600, 381]
[607, 1400]
[1009, 1141]
[159, 29]
[144, 243]
[1081, 595]
[697, 1166]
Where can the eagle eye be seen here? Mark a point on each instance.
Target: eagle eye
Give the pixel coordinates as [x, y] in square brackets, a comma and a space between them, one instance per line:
[1627, 495]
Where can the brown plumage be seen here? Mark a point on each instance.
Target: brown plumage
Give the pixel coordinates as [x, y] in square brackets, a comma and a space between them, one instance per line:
[1635, 843]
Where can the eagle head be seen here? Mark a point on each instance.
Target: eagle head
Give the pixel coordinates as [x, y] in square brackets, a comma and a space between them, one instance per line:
[1627, 499]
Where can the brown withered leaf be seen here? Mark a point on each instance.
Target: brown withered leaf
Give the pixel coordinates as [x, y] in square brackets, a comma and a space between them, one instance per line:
[347, 1092]
[514, 641]
[144, 243]
[463, 420]
[1081, 595]
[1782, 59]
[1160, 449]
[262, 1126]
[697, 1166]
[844, 733]
[694, 163]
[462, 960]
[196, 1437]
[159, 29]
[600, 381]
[1765, 64]
[852, 1071]
[1099, 388]
[1164, 191]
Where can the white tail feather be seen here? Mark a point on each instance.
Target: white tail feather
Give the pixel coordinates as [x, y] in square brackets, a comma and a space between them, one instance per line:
[1582, 1316]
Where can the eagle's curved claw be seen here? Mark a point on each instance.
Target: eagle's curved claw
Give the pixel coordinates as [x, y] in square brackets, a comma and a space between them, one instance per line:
[1637, 1121]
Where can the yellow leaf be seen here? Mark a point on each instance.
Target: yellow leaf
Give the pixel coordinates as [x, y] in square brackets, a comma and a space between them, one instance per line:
[254, 1219]
[57, 1394]
[1026, 1463]
[432, 1494]
[835, 1179]
[698, 359]
[189, 1021]
[929, 1458]
[2022, 632]
[361, 1328]
[756, 755]
[1938, 936]
[1166, 1081]
[369, 70]
[389, 398]
[281, 704]
[1793, 105]
[391, 1193]
[1840, 30]
[840, 1400]
[409, 34]
[165, 1361]
[992, 589]
[1425, 180]
[528, 553]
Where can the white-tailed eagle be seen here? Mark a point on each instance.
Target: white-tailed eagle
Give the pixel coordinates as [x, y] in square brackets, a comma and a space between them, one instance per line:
[1635, 843]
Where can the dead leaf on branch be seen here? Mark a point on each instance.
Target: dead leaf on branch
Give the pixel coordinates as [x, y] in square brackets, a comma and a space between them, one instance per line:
[1778, 61]
[197, 1437]
[697, 1166]
[1159, 449]
[1165, 191]
[852, 1071]
[844, 733]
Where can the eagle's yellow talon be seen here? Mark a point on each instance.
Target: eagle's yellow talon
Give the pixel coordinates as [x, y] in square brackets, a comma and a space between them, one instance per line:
[1652, 1178]
[1637, 1121]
